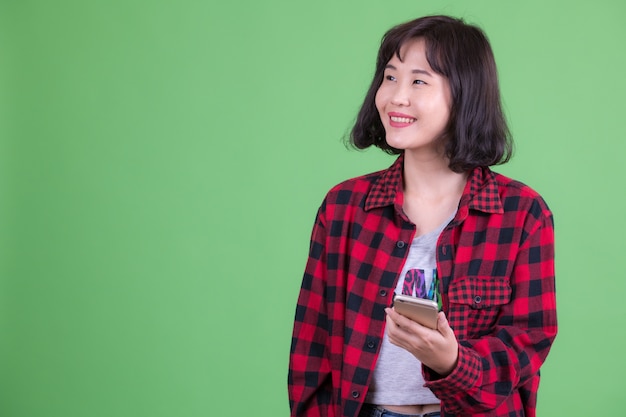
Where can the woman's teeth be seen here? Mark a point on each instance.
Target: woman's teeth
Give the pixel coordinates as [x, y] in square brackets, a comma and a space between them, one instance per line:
[402, 119]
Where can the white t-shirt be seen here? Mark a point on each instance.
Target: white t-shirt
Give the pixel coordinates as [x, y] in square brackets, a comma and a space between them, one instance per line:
[397, 378]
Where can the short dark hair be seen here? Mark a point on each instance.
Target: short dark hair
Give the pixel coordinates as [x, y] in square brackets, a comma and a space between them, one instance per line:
[477, 133]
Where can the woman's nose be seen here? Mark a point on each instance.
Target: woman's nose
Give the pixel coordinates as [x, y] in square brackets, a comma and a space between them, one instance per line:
[400, 96]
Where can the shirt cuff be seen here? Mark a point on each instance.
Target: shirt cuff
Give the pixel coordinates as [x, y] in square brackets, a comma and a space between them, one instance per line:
[463, 378]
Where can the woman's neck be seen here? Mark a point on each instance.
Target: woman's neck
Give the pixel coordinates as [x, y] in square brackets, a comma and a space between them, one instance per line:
[432, 191]
[430, 177]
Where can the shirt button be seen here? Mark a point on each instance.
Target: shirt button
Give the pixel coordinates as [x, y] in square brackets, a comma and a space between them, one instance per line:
[355, 394]
[382, 293]
[400, 244]
[477, 299]
[371, 345]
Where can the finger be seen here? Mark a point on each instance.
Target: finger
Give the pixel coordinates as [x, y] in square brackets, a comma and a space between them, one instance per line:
[398, 318]
[407, 324]
[443, 326]
[399, 328]
[395, 323]
[389, 319]
[394, 331]
[392, 326]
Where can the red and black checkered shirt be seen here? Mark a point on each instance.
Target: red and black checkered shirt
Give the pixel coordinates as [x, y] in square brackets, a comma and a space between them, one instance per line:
[495, 261]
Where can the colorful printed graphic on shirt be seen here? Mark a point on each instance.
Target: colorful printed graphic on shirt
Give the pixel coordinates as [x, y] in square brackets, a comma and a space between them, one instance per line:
[415, 284]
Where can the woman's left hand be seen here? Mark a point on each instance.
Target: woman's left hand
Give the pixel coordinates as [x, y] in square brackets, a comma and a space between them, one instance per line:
[437, 349]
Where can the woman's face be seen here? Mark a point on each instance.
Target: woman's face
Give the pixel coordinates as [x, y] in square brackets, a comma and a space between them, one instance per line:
[413, 101]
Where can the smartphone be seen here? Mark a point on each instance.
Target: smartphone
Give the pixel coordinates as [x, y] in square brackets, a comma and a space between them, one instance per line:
[419, 310]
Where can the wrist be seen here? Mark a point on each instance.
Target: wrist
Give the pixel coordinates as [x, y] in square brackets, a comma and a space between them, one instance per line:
[444, 369]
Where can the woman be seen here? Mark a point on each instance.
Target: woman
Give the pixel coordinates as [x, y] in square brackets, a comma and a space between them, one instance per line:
[437, 224]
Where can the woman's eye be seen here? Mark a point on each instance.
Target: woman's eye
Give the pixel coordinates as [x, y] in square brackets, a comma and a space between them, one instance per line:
[390, 78]
[418, 82]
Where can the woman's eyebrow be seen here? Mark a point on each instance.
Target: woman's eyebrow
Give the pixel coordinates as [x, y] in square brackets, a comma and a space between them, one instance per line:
[414, 71]
[421, 71]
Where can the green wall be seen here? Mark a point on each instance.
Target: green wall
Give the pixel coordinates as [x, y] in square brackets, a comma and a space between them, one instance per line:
[161, 163]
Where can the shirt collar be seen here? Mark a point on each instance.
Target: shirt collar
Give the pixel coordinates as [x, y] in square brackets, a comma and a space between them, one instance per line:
[480, 193]
[384, 189]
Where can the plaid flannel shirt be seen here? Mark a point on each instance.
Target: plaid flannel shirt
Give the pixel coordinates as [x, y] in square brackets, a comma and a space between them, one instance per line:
[495, 261]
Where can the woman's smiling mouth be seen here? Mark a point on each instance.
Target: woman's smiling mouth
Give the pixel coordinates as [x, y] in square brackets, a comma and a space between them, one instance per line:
[400, 120]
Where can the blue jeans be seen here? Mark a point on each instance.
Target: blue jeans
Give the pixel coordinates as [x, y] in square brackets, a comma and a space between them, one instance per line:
[369, 410]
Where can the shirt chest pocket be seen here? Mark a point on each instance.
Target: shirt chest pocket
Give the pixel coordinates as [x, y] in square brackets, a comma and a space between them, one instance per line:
[475, 304]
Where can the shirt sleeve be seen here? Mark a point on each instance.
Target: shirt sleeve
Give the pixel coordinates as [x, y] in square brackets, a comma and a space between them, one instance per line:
[309, 379]
[492, 367]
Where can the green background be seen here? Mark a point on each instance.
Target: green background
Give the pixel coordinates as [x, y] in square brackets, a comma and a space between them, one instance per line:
[161, 163]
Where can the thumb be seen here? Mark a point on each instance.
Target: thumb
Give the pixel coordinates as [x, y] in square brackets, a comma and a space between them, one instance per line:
[442, 324]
